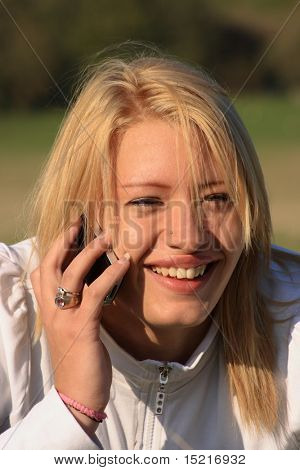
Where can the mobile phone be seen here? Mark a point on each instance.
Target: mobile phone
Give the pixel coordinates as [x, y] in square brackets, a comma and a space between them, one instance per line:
[103, 262]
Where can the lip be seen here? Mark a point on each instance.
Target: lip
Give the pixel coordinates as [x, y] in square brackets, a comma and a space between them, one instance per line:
[183, 286]
[181, 262]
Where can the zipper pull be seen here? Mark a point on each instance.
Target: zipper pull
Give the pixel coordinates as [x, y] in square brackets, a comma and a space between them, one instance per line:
[160, 396]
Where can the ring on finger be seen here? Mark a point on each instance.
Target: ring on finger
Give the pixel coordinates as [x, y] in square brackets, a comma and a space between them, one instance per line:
[66, 299]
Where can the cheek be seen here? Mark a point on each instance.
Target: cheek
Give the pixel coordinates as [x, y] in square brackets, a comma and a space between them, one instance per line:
[229, 233]
[136, 238]
[131, 239]
[135, 232]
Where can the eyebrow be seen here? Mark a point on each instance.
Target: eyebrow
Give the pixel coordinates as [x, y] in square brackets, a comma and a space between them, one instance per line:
[163, 185]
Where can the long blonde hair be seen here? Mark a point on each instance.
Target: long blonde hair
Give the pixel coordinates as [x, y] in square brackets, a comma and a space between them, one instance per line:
[113, 95]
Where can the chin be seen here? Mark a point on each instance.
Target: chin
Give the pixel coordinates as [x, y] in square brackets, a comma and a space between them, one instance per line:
[175, 321]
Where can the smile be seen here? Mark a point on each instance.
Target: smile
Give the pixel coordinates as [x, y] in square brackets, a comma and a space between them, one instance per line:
[183, 284]
[181, 273]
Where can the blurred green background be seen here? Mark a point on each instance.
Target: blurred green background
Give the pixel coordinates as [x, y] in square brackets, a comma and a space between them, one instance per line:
[250, 47]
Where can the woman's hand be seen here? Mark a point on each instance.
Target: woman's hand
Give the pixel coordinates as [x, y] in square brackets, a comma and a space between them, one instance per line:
[80, 361]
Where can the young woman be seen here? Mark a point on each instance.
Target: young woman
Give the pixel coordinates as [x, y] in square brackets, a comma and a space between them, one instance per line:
[200, 347]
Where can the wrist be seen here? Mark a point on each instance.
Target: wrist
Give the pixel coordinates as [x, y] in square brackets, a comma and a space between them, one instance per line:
[88, 418]
[87, 424]
[98, 416]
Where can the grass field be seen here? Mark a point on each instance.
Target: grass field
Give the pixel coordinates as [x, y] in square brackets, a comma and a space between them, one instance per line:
[273, 122]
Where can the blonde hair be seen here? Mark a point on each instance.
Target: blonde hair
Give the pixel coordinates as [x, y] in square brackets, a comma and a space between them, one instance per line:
[113, 95]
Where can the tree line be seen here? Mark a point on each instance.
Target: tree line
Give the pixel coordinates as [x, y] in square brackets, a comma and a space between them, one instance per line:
[44, 44]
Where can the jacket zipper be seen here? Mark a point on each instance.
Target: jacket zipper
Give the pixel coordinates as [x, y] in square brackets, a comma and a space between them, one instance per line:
[161, 394]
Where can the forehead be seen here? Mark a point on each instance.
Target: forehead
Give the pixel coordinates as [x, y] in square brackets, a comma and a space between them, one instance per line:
[155, 150]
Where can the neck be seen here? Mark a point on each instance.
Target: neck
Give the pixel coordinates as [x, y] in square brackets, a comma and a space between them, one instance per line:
[144, 341]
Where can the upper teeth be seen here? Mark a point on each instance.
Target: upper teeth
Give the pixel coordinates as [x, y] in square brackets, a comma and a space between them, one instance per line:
[180, 273]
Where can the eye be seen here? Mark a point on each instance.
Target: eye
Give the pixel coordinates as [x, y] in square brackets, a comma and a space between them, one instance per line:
[220, 197]
[216, 202]
[146, 202]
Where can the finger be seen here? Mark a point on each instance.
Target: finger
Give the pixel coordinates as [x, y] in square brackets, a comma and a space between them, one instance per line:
[72, 279]
[61, 246]
[95, 294]
[73, 276]
[50, 273]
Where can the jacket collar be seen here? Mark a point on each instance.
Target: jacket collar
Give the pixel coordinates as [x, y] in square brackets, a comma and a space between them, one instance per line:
[148, 370]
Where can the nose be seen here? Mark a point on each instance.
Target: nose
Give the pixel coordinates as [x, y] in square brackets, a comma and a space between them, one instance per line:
[184, 230]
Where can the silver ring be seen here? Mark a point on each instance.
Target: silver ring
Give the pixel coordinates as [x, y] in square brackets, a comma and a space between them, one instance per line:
[66, 299]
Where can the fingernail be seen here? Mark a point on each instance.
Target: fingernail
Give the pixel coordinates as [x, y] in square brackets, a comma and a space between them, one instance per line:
[124, 259]
[74, 229]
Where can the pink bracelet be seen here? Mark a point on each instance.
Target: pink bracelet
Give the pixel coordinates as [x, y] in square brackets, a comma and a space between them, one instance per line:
[93, 414]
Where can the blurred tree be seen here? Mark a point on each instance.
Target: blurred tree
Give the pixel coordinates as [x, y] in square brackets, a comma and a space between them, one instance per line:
[228, 38]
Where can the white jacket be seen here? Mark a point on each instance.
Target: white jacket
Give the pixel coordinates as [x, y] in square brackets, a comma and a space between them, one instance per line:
[197, 413]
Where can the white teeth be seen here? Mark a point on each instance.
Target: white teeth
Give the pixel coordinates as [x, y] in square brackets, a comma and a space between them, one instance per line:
[180, 273]
[172, 272]
[191, 272]
[164, 271]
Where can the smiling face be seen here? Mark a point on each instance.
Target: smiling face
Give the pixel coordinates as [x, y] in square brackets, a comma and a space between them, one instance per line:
[153, 199]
